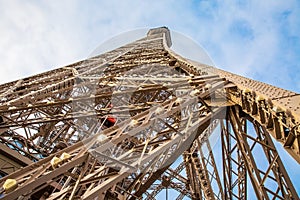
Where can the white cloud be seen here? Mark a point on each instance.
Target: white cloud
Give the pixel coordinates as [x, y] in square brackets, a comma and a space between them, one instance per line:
[263, 52]
[38, 36]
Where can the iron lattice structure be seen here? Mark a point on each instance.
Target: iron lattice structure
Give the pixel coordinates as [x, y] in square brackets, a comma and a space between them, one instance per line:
[136, 122]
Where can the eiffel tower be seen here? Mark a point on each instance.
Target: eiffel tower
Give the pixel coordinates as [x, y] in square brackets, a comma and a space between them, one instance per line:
[138, 122]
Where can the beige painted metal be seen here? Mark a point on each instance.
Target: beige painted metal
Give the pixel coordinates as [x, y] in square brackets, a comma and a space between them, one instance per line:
[166, 108]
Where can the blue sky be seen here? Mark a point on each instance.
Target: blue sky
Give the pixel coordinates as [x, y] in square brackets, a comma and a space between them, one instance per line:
[258, 39]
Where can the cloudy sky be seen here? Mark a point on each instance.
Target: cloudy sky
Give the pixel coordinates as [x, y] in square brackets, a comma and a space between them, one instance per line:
[258, 39]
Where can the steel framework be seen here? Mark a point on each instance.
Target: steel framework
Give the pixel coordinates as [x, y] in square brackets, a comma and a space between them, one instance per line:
[137, 122]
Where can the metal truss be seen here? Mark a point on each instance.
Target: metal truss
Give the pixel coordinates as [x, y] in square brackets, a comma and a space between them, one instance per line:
[140, 122]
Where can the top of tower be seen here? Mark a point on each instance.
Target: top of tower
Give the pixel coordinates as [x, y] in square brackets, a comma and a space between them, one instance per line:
[161, 30]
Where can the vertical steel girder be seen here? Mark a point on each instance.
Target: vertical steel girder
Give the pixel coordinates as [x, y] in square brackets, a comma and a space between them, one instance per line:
[57, 142]
[274, 172]
[235, 182]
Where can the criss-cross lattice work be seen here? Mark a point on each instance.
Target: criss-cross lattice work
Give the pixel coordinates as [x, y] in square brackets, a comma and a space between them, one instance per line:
[141, 122]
